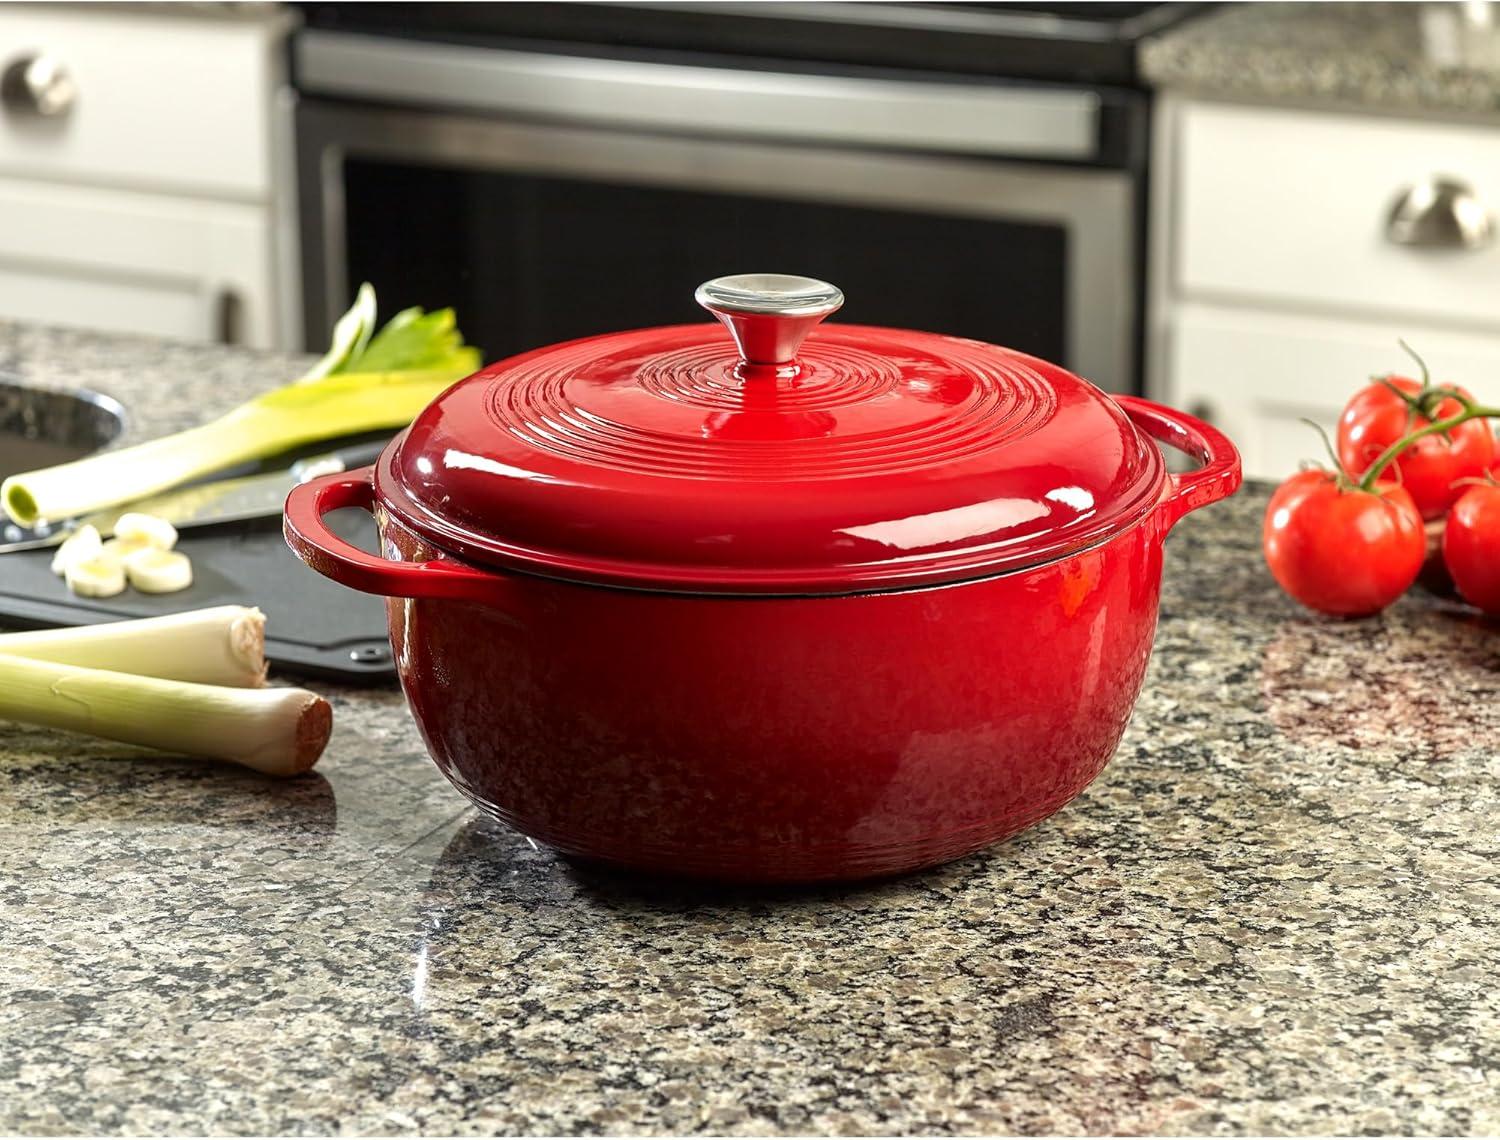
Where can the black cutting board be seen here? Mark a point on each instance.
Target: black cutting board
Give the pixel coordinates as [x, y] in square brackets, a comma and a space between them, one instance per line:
[313, 626]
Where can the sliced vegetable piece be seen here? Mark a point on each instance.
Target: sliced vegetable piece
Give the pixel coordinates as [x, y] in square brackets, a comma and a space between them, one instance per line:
[148, 530]
[118, 549]
[153, 571]
[98, 577]
[83, 543]
[221, 645]
[281, 732]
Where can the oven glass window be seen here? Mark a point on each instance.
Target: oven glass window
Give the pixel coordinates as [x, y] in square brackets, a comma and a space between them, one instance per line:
[528, 261]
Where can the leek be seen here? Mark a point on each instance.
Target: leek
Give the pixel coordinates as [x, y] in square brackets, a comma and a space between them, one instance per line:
[280, 732]
[383, 382]
[411, 340]
[148, 530]
[351, 334]
[153, 571]
[83, 543]
[277, 421]
[102, 576]
[222, 645]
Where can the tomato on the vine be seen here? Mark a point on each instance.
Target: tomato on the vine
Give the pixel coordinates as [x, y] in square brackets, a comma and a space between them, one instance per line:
[1340, 549]
[1430, 469]
[1471, 546]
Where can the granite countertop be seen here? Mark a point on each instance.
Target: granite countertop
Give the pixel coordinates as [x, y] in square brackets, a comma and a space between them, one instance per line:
[1276, 911]
[1405, 58]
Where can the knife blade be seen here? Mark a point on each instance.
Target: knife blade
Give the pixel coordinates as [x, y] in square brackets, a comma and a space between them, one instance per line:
[204, 504]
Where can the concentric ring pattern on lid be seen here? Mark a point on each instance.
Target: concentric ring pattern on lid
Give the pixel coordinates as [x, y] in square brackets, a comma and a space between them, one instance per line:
[777, 459]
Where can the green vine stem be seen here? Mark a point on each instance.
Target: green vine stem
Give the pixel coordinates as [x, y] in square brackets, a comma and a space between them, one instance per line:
[1422, 364]
[1486, 480]
[1471, 411]
[1427, 398]
[1340, 475]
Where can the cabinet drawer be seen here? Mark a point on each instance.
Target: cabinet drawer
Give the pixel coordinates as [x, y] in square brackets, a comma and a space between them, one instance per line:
[111, 259]
[47, 295]
[1257, 375]
[162, 101]
[1291, 207]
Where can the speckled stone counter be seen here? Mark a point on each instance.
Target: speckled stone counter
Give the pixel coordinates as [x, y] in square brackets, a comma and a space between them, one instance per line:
[1277, 911]
[1406, 58]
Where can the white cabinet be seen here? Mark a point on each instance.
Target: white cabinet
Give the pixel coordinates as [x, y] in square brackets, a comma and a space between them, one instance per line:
[1257, 375]
[149, 263]
[162, 99]
[149, 201]
[1276, 290]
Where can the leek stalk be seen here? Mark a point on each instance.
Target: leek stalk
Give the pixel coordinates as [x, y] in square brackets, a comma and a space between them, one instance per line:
[280, 732]
[351, 336]
[222, 645]
[281, 419]
[367, 382]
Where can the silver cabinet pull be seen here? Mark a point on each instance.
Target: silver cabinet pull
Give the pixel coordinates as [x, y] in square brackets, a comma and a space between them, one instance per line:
[38, 84]
[1440, 213]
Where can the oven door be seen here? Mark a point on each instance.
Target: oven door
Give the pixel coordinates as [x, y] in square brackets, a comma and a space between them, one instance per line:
[538, 229]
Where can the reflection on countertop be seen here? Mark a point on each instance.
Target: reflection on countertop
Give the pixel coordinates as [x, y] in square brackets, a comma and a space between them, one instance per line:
[1274, 912]
[1404, 58]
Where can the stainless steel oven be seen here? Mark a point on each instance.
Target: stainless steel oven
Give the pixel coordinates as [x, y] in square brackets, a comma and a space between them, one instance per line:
[550, 191]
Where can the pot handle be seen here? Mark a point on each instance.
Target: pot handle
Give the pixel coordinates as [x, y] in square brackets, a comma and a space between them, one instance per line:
[1218, 478]
[331, 556]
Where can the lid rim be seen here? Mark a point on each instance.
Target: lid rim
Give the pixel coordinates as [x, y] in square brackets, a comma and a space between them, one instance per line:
[961, 566]
[662, 459]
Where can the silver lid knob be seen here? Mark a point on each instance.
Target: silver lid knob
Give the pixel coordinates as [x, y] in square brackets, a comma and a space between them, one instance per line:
[769, 314]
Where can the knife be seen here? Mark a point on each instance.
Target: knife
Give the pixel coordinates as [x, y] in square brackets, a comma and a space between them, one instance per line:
[221, 501]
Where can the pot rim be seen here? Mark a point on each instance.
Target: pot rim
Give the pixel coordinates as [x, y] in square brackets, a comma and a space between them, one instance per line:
[486, 553]
[456, 575]
[505, 573]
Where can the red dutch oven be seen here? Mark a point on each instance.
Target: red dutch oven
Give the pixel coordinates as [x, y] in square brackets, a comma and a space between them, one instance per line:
[787, 604]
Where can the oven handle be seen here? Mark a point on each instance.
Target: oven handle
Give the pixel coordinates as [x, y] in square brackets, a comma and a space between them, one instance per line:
[970, 118]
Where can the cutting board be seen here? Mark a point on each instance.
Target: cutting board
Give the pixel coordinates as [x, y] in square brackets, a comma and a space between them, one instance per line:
[313, 627]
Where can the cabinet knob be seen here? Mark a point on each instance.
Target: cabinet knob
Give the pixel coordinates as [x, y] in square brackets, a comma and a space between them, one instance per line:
[1440, 213]
[37, 84]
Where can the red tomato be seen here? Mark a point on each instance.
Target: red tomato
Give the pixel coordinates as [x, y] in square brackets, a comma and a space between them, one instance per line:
[1471, 546]
[1341, 550]
[1375, 417]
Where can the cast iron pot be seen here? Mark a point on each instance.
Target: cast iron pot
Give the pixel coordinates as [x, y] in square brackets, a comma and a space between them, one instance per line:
[805, 611]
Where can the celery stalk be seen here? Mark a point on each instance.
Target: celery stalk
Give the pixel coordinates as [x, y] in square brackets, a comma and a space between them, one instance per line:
[280, 732]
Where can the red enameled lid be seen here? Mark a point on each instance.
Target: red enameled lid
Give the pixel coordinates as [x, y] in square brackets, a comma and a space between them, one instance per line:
[776, 459]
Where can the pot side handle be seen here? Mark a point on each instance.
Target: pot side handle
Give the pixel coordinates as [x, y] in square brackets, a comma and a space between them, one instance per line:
[1218, 478]
[331, 556]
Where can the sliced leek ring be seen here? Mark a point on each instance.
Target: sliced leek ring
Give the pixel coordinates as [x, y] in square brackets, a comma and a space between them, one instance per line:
[96, 577]
[119, 549]
[146, 530]
[82, 544]
[153, 571]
